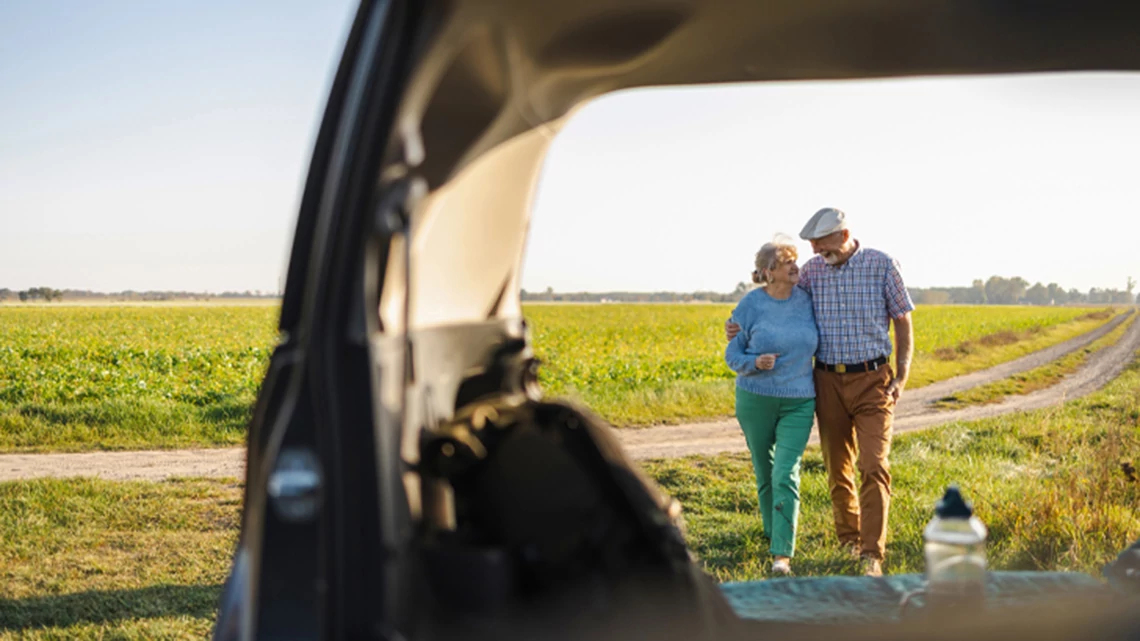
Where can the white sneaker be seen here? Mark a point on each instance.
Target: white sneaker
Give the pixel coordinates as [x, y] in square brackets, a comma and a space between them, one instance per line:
[781, 567]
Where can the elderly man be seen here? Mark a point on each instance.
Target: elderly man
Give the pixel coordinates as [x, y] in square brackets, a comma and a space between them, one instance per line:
[857, 293]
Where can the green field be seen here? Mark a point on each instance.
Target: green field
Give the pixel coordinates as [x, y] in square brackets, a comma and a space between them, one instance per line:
[122, 377]
[76, 378]
[83, 559]
[644, 364]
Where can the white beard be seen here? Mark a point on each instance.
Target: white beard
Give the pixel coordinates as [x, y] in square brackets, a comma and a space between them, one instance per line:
[830, 258]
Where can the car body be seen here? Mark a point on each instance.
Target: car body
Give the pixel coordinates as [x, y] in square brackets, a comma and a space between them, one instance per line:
[405, 479]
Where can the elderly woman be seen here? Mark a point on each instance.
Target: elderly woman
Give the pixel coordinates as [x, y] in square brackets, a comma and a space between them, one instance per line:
[775, 395]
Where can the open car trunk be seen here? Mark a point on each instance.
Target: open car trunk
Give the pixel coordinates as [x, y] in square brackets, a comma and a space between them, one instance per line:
[405, 477]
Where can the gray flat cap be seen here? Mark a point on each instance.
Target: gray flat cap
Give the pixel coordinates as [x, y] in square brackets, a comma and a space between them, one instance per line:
[825, 221]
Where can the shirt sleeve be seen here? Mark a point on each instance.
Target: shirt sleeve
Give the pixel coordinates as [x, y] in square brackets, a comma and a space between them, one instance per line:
[898, 298]
[736, 354]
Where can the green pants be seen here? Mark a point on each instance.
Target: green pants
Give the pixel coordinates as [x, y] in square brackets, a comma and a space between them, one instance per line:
[777, 431]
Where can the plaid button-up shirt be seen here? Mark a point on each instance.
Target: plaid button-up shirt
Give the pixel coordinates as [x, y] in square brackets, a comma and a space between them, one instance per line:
[854, 304]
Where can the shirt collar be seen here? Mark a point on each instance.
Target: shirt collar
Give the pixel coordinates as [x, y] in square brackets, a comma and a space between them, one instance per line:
[856, 256]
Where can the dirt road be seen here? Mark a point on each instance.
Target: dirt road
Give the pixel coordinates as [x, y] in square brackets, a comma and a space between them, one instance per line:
[914, 412]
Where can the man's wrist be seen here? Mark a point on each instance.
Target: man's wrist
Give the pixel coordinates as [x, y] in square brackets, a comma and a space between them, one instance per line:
[902, 368]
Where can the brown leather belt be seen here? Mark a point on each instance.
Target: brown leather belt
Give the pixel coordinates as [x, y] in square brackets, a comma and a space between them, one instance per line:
[852, 368]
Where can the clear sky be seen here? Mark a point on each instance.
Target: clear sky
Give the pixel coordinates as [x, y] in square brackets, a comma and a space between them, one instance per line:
[150, 145]
[958, 178]
[158, 144]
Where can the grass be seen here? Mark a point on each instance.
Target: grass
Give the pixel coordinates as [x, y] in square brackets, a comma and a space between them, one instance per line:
[1050, 485]
[147, 376]
[88, 559]
[85, 559]
[120, 424]
[123, 377]
[1035, 379]
[994, 345]
[649, 364]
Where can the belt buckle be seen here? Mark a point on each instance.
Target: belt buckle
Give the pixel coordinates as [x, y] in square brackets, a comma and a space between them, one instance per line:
[841, 369]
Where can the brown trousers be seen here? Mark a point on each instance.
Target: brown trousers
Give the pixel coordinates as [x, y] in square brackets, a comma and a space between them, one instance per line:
[855, 417]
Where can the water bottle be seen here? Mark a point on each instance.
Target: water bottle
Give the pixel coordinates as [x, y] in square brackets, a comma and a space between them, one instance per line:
[955, 555]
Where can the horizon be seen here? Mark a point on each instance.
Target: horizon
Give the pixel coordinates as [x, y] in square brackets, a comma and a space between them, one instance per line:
[144, 158]
[278, 293]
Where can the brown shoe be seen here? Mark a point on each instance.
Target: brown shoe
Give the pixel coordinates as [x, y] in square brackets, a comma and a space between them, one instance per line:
[872, 567]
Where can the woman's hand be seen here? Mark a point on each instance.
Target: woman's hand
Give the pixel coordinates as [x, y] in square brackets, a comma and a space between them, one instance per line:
[766, 361]
[731, 329]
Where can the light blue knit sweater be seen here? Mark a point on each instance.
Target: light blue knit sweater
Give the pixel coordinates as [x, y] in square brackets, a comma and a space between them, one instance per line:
[772, 326]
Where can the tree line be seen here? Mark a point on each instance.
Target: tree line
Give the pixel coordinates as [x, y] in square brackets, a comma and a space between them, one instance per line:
[1017, 291]
[996, 290]
[637, 297]
[35, 293]
[49, 294]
